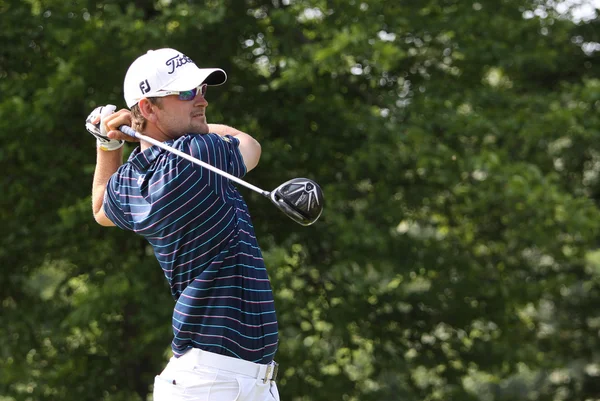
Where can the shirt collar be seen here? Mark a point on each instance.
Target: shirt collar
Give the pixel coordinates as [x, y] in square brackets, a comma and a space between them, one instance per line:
[142, 160]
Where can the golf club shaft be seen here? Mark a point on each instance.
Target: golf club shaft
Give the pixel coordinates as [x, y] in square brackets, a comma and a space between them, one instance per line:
[133, 133]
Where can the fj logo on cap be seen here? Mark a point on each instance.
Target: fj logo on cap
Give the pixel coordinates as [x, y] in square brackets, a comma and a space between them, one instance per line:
[145, 86]
[178, 61]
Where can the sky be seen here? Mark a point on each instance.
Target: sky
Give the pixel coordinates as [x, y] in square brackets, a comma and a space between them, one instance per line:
[583, 10]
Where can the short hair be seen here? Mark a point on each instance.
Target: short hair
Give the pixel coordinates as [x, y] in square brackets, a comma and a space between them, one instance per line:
[138, 121]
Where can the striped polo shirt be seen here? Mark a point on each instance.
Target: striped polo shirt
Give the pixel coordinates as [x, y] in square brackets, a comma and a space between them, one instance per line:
[202, 235]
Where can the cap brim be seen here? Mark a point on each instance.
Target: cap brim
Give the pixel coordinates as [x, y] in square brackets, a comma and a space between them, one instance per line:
[196, 77]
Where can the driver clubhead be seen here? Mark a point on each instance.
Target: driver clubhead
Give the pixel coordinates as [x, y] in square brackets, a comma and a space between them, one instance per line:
[300, 199]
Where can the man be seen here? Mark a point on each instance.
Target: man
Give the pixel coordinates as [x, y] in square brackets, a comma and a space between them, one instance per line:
[224, 322]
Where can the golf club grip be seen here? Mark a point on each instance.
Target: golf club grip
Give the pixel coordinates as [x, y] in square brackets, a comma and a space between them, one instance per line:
[128, 130]
[133, 133]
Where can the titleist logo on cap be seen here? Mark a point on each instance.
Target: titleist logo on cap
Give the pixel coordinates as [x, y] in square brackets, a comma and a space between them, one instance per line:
[177, 61]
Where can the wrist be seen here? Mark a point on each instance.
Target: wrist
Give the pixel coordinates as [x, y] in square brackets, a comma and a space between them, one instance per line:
[109, 146]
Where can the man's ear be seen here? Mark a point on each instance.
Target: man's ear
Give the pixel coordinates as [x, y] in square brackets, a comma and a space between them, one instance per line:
[147, 109]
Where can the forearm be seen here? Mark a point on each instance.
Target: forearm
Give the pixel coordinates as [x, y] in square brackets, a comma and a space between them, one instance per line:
[107, 164]
[223, 130]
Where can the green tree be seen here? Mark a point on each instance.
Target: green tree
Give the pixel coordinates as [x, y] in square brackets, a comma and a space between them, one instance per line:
[456, 143]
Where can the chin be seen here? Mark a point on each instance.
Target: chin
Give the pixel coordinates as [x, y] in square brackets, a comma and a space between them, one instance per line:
[199, 129]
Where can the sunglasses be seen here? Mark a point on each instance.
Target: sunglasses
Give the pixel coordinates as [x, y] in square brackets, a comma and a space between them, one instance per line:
[185, 95]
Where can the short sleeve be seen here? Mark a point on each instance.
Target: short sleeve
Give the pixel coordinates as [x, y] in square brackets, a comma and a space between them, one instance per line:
[223, 152]
[112, 204]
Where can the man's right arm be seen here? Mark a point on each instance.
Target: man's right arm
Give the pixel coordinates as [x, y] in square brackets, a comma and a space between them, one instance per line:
[249, 147]
[107, 163]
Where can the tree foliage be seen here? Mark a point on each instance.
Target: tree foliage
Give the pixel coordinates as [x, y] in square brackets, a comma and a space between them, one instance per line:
[457, 146]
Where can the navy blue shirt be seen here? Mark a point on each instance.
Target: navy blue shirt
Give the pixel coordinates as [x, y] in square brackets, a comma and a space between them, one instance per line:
[202, 235]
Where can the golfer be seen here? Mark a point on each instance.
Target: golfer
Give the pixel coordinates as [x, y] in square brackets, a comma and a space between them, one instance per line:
[224, 323]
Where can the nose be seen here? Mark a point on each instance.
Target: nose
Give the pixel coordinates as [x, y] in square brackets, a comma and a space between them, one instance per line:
[199, 100]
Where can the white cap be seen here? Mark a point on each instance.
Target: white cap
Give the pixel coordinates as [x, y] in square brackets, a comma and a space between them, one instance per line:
[166, 70]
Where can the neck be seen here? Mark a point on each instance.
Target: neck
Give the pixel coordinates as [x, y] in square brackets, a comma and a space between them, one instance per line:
[153, 132]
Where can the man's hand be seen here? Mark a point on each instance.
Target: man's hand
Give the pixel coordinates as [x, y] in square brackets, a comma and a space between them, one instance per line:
[104, 124]
[114, 121]
[94, 125]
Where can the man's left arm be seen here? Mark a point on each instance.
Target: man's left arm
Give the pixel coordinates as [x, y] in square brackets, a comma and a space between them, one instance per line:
[249, 147]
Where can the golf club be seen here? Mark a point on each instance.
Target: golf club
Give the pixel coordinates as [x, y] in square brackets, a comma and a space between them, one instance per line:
[300, 199]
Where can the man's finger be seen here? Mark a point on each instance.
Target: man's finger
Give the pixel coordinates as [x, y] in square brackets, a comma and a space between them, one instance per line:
[122, 117]
[121, 136]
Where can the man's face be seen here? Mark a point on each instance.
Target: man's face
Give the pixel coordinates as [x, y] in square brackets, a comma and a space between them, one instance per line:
[179, 117]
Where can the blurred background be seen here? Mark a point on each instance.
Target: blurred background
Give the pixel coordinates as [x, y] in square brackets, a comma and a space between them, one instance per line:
[457, 144]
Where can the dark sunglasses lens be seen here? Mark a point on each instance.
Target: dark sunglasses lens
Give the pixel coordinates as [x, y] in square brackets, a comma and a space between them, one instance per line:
[191, 94]
[187, 95]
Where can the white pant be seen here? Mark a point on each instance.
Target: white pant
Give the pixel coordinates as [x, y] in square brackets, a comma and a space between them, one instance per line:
[204, 376]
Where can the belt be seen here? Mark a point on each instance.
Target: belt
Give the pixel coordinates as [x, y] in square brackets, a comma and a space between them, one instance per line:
[230, 364]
